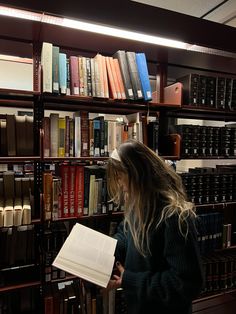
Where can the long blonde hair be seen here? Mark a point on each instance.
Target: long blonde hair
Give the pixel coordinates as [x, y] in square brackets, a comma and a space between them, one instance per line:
[155, 192]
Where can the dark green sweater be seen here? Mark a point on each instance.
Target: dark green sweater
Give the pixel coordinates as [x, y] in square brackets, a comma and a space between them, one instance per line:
[169, 279]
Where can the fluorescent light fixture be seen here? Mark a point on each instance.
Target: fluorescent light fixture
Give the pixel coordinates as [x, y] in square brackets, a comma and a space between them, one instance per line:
[22, 14]
[92, 27]
[110, 31]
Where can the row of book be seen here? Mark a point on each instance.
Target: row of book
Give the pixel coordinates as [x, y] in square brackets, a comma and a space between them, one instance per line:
[75, 296]
[53, 238]
[18, 246]
[199, 141]
[82, 136]
[213, 233]
[26, 300]
[220, 271]
[79, 190]
[122, 76]
[16, 135]
[207, 91]
[16, 199]
[210, 186]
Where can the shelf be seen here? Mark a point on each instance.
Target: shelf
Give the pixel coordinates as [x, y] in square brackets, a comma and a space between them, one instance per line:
[14, 159]
[214, 295]
[71, 159]
[20, 286]
[215, 205]
[95, 216]
[17, 93]
[208, 157]
[195, 112]
[69, 103]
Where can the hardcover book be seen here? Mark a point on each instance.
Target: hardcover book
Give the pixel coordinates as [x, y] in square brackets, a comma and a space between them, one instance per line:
[87, 254]
[121, 56]
[144, 76]
[46, 61]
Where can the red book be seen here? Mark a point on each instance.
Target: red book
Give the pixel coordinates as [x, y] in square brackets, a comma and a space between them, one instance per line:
[79, 191]
[64, 170]
[47, 195]
[74, 75]
[72, 172]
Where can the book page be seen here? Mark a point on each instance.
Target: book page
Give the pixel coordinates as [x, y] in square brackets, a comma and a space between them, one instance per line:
[87, 251]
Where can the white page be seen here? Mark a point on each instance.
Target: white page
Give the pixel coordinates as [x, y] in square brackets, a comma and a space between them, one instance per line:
[86, 253]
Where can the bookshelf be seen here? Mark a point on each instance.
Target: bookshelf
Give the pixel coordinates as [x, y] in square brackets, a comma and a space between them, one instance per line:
[24, 38]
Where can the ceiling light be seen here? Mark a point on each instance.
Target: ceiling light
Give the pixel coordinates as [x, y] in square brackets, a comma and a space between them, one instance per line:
[110, 31]
[92, 27]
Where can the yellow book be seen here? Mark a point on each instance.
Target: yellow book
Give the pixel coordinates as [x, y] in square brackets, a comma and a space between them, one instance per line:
[61, 138]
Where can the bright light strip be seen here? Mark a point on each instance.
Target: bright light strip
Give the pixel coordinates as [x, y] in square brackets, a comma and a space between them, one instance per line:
[22, 14]
[90, 27]
[110, 31]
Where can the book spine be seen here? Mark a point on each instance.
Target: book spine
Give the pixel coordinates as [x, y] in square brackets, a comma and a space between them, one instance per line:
[54, 134]
[64, 169]
[111, 80]
[47, 195]
[120, 83]
[79, 191]
[144, 76]
[96, 134]
[71, 188]
[61, 136]
[68, 77]
[62, 73]
[77, 134]
[121, 56]
[89, 77]
[55, 69]
[46, 62]
[84, 133]
[67, 136]
[46, 137]
[11, 134]
[134, 76]
[74, 75]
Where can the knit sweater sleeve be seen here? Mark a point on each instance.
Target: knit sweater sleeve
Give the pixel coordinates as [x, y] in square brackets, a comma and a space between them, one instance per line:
[181, 281]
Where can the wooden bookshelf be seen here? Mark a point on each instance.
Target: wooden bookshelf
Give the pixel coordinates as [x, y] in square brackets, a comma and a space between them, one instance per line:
[20, 286]
[15, 33]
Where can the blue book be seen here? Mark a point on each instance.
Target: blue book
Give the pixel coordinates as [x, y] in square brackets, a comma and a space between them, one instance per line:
[144, 76]
[62, 73]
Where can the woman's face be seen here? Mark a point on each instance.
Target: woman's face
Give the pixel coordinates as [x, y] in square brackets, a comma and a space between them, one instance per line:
[123, 181]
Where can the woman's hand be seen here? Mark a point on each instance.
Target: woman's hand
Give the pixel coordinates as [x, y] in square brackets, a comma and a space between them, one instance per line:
[116, 280]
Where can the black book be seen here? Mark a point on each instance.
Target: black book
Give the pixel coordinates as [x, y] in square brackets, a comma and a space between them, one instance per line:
[121, 56]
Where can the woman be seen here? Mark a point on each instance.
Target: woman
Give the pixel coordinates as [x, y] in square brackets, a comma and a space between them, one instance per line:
[157, 251]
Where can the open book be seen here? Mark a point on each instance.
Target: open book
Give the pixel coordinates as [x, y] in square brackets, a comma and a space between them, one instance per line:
[88, 254]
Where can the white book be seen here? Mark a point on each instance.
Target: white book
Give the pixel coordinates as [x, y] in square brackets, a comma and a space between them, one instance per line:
[88, 254]
[46, 61]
